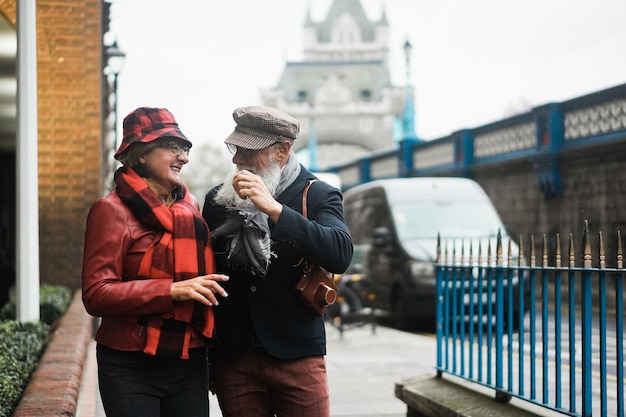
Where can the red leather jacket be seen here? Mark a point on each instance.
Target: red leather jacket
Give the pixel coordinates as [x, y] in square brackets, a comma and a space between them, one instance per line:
[115, 242]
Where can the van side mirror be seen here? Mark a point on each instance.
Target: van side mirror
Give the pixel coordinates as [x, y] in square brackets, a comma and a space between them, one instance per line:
[381, 237]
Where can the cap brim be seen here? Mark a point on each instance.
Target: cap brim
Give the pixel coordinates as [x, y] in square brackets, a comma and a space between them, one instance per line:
[250, 141]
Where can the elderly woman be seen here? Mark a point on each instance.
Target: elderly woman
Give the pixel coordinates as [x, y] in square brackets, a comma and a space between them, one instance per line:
[148, 273]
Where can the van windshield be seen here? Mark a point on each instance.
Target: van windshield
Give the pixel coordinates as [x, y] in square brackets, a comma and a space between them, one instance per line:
[451, 219]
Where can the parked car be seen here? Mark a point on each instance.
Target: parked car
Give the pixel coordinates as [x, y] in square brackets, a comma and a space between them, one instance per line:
[395, 224]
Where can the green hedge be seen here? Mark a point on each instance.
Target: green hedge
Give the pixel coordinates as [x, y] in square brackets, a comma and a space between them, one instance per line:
[53, 301]
[21, 344]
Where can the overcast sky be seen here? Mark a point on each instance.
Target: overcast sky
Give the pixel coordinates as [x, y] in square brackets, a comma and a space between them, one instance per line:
[473, 61]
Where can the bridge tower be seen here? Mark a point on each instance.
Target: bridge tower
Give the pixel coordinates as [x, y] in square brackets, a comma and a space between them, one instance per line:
[341, 91]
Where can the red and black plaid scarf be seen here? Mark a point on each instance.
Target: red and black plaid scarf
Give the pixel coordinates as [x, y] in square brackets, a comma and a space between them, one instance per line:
[183, 252]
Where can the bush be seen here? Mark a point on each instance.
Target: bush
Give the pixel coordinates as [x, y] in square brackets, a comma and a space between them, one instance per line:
[53, 302]
[21, 344]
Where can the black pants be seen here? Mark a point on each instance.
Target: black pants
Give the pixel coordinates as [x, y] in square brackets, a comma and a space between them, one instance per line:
[136, 384]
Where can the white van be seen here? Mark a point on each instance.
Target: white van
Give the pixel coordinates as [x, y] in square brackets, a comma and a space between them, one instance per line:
[329, 177]
[394, 225]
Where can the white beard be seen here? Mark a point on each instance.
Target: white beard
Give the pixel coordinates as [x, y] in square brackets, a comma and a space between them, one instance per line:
[227, 195]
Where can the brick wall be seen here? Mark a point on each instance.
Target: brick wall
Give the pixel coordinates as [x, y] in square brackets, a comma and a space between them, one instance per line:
[7, 9]
[69, 39]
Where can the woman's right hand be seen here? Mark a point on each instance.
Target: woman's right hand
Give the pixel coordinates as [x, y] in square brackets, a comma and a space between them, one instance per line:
[202, 289]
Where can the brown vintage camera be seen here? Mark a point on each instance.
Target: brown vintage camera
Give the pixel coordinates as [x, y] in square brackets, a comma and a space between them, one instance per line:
[317, 288]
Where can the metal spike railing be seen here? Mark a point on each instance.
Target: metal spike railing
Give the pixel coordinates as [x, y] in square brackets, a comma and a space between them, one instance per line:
[526, 327]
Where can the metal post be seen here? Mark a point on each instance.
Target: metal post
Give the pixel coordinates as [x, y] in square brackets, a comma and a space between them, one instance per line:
[408, 114]
[586, 325]
[115, 130]
[312, 144]
[114, 59]
[27, 177]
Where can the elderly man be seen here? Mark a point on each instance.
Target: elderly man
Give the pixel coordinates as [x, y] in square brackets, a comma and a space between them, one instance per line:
[269, 347]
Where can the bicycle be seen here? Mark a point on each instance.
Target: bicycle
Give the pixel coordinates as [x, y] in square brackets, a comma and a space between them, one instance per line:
[352, 308]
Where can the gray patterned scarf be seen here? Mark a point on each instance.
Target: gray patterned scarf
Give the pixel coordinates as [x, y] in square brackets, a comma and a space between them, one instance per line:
[247, 229]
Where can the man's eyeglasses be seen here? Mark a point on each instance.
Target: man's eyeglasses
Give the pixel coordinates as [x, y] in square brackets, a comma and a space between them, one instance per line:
[175, 147]
[245, 153]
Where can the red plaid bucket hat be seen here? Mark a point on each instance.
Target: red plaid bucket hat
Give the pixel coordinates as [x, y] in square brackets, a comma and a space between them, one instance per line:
[146, 124]
[259, 127]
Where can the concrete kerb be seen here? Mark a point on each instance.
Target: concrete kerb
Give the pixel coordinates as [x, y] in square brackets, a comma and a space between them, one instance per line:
[428, 395]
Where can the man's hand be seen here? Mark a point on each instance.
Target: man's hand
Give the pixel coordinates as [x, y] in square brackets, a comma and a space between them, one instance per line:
[249, 185]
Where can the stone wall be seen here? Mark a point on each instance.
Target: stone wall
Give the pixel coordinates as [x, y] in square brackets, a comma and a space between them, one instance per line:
[594, 189]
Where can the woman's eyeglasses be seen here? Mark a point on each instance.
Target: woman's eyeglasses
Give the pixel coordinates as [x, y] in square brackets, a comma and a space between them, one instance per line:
[175, 147]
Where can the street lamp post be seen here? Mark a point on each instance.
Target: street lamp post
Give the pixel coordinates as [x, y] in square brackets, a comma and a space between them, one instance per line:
[408, 116]
[115, 58]
[113, 61]
[409, 137]
[312, 141]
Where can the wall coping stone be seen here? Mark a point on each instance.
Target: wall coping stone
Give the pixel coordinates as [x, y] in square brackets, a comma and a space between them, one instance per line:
[54, 387]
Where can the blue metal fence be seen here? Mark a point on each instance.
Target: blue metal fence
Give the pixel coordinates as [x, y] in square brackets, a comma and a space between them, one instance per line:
[533, 331]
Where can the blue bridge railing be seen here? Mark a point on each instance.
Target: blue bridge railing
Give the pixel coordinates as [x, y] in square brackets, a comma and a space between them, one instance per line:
[540, 135]
[549, 335]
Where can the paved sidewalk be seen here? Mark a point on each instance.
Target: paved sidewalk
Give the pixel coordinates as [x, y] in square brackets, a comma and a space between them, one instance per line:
[363, 367]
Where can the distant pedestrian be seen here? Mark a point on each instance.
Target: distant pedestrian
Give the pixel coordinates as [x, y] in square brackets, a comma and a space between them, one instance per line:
[269, 354]
[148, 271]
